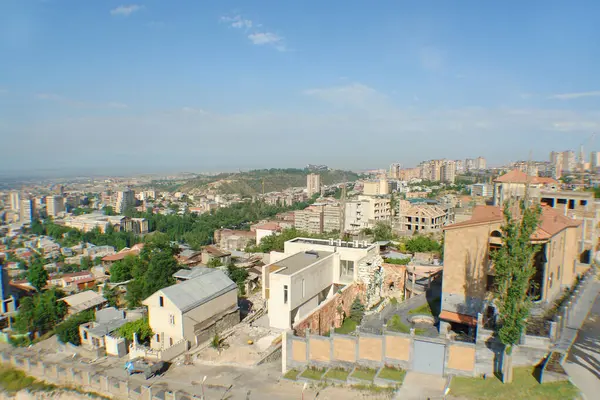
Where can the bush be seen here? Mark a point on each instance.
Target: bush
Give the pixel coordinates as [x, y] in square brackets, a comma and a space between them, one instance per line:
[141, 327]
[357, 310]
[68, 331]
[397, 261]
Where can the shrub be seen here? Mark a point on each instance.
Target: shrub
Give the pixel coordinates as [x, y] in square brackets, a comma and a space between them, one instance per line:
[357, 310]
[68, 331]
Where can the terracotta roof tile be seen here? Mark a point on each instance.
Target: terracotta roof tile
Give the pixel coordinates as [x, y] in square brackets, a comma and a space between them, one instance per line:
[518, 176]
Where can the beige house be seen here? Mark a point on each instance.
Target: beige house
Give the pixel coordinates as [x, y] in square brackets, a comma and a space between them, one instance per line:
[210, 253]
[513, 185]
[99, 334]
[469, 274]
[366, 212]
[189, 313]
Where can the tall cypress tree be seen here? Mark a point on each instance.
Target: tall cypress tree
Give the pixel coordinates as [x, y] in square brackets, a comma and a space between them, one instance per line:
[514, 268]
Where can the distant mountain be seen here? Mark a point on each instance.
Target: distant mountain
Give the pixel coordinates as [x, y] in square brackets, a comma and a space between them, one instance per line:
[275, 179]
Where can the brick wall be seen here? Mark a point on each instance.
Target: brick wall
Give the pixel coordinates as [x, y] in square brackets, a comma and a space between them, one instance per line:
[393, 280]
[327, 315]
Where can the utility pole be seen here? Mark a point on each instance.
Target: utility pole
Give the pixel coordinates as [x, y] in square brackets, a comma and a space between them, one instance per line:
[343, 210]
[263, 186]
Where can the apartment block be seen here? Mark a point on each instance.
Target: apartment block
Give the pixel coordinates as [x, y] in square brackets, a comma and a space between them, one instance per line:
[15, 201]
[377, 187]
[309, 220]
[480, 163]
[594, 160]
[55, 205]
[365, 212]
[482, 190]
[423, 218]
[27, 211]
[469, 164]
[409, 173]
[448, 171]
[313, 184]
[123, 199]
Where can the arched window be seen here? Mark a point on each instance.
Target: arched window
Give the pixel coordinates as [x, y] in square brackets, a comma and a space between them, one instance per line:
[497, 234]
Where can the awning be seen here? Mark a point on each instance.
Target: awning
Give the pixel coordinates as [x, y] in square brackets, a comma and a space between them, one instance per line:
[458, 318]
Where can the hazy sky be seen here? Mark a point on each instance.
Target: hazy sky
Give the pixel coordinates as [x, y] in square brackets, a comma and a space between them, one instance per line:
[354, 84]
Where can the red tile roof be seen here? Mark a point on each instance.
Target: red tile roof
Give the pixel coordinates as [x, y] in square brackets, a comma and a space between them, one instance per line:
[518, 176]
[269, 226]
[134, 251]
[459, 318]
[551, 221]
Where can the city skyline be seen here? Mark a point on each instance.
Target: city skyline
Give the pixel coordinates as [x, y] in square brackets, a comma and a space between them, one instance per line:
[156, 85]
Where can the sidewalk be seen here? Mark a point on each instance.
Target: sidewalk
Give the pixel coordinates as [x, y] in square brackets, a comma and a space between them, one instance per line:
[579, 314]
[417, 386]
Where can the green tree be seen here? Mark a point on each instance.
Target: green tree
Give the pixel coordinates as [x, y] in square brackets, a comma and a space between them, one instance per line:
[420, 244]
[108, 210]
[68, 331]
[37, 275]
[122, 270]
[214, 262]
[41, 312]
[239, 276]
[514, 268]
[36, 227]
[141, 327]
[111, 295]
[86, 263]
[382, 231]
[357, 310]
[135, 293]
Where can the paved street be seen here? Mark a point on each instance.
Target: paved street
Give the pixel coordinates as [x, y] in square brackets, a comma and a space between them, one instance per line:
[583, 361]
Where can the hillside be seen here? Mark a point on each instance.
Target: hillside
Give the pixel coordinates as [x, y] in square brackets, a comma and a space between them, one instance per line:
[275, 179]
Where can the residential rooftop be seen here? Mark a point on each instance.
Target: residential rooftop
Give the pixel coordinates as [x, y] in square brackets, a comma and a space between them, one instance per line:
[334, 243]
[294, 263]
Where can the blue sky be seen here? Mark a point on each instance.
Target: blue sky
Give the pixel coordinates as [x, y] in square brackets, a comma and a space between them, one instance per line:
[209, 85]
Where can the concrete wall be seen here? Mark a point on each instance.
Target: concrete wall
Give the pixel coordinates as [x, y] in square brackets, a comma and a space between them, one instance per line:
[88, 380]
[372, 351]
[207, 311]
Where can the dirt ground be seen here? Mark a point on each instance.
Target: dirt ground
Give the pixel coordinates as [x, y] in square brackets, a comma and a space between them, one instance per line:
[237, 349]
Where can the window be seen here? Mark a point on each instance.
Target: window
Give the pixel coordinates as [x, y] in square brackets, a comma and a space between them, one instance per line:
[550, 279]
[85, 335]
[347, 268]
[171, 319]
[170, 341]
[571, 204]
[161, 301]
[158, 338]
[558, 273]
[303, 289]
[285, 294]
[489, 285]
[583, 202]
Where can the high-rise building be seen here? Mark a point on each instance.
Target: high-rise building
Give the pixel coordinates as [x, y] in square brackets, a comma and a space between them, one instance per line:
[395, 170]
[27, 211]
[569, 161]
[15, 201]
[55, 205]
[594, 160]
[480, 163]
[469, 164]
[448, 171]
[123, 200]
[557, 162]
[313, 184]
[460, 166]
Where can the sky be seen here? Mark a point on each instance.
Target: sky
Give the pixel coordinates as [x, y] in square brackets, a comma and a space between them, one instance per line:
[216, 85]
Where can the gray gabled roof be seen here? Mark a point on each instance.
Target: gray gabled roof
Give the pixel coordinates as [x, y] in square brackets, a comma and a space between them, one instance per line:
[197, 291]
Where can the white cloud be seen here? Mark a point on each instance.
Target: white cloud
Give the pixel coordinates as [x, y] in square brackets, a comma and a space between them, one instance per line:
[237, 22]
[571, 96]
[257, 35]
[264, 38]
[126, 11]
[354, 95]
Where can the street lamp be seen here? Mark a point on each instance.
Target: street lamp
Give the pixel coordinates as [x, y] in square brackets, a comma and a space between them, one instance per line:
[203, 380]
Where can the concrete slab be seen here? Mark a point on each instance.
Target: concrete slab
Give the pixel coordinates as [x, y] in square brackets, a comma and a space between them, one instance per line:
[418, 386]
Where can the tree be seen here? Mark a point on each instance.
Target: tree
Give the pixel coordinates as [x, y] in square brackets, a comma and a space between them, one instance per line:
[382, 231]
[111, 295]
[122, 270]
[41, 312]
[238, 275]
[37, 275]
[68, 331]
[140, 327]
[108, 210]
[357, 310]
[514, 268]
[135, 293]
[214, 262]
[86, 263]
[420, 244]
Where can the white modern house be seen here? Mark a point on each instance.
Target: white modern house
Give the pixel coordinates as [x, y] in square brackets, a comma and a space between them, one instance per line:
[310, 271]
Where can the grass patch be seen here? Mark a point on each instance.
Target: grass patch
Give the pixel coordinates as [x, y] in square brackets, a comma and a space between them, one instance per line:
[13, 380]
[426, 308]
[392, 374]
[365, 374]
[313, 373]
[523, 387]
[291, 374]
[337, 373]
[348, 326]
[374, 388]
[395, 324]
